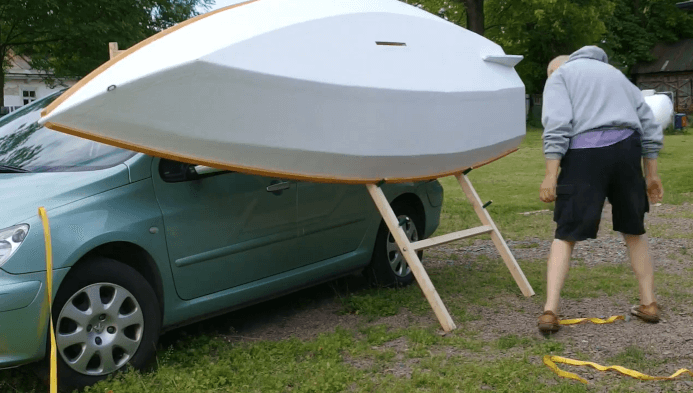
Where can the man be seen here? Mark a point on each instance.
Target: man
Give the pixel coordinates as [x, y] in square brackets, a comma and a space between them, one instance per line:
[597, 127]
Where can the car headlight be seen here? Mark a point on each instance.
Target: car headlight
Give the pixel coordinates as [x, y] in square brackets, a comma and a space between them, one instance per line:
[10, 240]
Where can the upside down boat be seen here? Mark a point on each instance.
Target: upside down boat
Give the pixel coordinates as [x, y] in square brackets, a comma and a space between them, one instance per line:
[324, 90]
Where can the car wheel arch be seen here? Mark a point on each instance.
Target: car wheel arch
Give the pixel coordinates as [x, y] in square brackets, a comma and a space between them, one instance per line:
[380, 268]
[134, 256]
[414, 201]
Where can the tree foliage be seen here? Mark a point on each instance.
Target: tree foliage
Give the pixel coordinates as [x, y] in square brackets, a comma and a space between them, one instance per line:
[450, 10]
[636, 26]
[542, 29]
[70, 37]
[537, 29]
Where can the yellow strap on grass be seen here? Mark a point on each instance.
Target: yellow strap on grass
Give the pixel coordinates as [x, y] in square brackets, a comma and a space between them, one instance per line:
[49, 294]
[551, 361]
[598, 321]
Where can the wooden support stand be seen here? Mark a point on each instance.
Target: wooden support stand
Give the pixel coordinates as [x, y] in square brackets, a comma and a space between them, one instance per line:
[409, 249]
[498, 240]
[113, 50]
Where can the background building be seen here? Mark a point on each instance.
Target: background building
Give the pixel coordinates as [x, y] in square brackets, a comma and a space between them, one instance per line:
[24, 85]
[671, 72]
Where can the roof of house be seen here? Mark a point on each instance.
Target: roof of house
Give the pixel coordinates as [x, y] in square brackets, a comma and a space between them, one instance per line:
[21, 69]
[19, 66]
[685, 5]
[676, 57]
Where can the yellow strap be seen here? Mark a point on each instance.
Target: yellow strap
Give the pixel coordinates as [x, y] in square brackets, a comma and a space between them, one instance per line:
[49, 293]
[551, 361]
[598, 321]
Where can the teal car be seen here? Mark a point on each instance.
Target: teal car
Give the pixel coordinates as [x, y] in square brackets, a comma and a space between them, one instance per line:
[142, 245]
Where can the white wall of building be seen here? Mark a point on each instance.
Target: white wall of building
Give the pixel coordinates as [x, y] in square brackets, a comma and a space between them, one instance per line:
[19, 90]
[24, 84]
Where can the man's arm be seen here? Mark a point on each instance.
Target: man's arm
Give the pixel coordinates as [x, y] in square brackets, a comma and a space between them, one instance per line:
[557, 118]
[652, 142]
[652, 133]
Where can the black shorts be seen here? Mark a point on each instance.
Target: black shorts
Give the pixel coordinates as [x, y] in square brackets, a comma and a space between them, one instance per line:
[587, 177]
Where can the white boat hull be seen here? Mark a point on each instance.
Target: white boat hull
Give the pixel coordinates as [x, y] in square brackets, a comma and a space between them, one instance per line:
[308, 96]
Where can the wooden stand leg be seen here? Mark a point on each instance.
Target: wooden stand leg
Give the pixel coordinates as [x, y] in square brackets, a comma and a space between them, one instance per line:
[498, 240]
[409, 254]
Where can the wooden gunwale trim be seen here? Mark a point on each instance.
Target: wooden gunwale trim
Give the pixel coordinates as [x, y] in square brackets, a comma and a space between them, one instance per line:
[125, 53]
[253, 170]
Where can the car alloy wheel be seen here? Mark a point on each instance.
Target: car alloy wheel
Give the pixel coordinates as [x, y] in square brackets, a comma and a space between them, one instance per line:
[99, 329]
[397, 262]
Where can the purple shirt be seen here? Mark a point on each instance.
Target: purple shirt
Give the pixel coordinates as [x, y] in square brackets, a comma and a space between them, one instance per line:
[602, 138]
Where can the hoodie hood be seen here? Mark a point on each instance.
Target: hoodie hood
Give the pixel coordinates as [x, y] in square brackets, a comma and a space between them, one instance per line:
[590, 52]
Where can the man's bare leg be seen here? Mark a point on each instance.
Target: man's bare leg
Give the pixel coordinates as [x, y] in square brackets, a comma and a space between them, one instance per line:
[557, 270]
[638, 251]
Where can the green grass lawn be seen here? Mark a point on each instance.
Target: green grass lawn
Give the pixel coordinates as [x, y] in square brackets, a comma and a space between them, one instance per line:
[357, 361]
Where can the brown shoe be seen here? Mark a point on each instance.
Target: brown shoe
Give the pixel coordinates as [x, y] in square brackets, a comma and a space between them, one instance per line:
[548, 322]
[646, 313]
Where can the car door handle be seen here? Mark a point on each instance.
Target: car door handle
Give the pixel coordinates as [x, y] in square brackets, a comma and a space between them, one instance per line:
[279, 186]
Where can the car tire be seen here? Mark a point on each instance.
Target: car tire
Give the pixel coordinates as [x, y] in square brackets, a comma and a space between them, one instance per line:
[388, 268]
[137, 319]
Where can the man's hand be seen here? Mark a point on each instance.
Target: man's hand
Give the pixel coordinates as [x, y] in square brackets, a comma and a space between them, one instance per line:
[655, 190]
[547, 192]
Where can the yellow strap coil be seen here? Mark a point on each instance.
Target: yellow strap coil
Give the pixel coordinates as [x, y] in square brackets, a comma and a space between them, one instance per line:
[551, 361]
[49, 294]
[598, 321]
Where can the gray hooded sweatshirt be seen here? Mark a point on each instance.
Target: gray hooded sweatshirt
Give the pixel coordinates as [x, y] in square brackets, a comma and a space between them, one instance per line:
[587, 94]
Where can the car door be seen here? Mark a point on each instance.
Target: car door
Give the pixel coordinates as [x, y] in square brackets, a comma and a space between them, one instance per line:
[224, 229]
[332, 219]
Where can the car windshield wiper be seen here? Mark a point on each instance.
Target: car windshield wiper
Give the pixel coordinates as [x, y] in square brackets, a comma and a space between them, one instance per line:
[12, 169]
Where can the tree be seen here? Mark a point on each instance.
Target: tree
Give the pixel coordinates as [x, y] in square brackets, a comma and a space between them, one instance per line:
[69, 37]
[636, 26]
[466, 13]
[537, 29]
[450, 10]
[543, 29]
[475, 15]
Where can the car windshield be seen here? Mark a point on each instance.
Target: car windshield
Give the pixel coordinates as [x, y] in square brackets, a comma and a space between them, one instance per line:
[26, 146]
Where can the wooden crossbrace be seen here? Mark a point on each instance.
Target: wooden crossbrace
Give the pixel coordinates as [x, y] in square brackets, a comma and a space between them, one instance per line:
[409, 249]
[451, 237]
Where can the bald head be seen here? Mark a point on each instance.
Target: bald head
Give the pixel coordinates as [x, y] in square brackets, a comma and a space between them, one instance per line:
[555, 63]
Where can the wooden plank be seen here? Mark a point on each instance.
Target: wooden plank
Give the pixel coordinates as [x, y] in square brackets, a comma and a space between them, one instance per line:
[451, 237]
[113, 50]
[411, 257]
[498, 240]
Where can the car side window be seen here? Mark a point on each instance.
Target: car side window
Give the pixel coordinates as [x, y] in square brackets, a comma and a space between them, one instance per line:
[176, 172]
